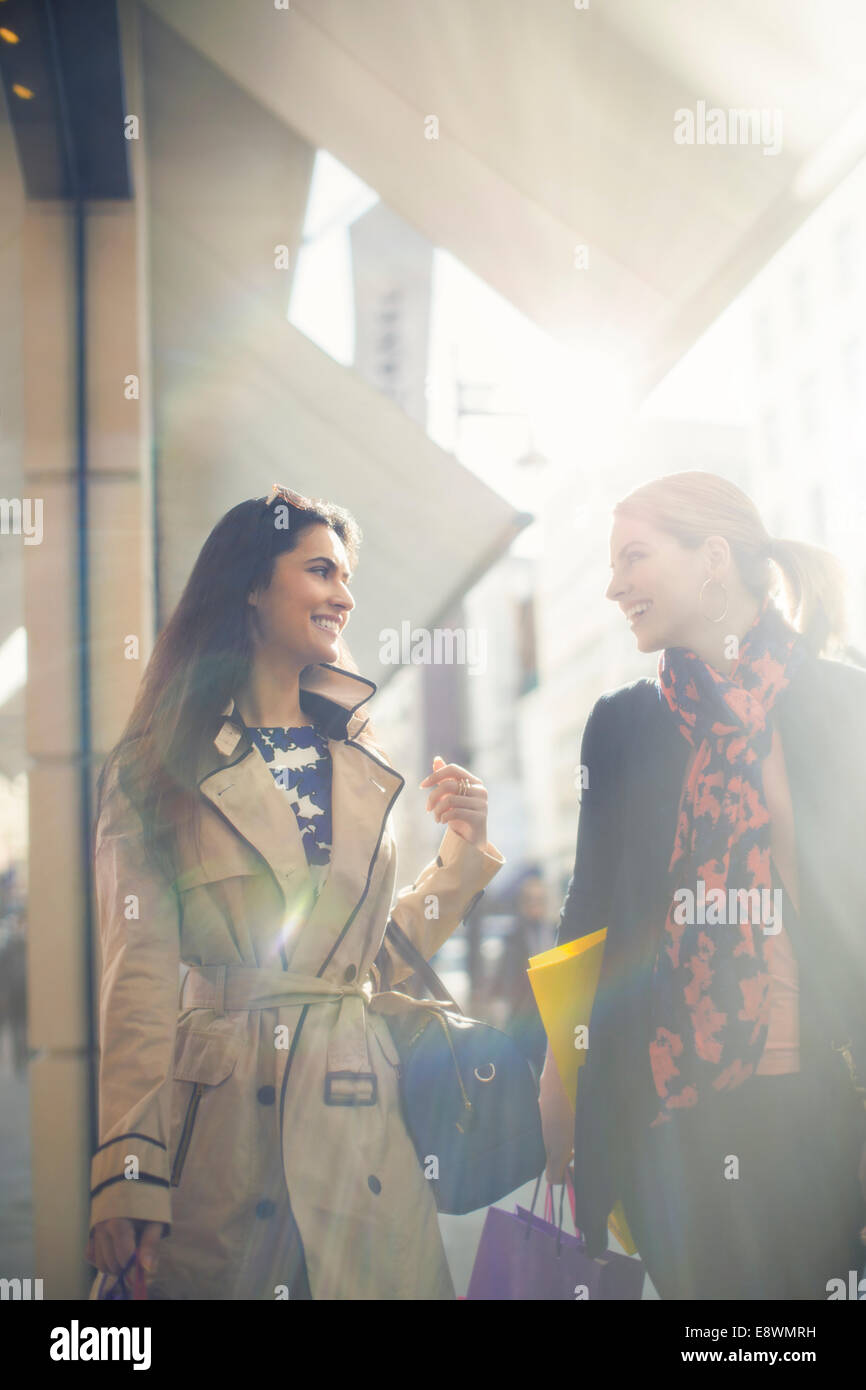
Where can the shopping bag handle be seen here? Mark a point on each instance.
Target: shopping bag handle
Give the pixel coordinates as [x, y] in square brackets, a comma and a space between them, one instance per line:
[138, 1285]
[569, 1181]
[548, 1210]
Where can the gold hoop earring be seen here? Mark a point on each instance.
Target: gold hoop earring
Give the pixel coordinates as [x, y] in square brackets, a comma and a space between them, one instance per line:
[722, 615]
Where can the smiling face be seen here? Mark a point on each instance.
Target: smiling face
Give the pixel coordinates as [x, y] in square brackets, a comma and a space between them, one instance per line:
[307, 603]
[656, 582]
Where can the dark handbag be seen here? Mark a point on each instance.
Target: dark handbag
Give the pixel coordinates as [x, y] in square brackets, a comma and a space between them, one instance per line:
[469, 1098]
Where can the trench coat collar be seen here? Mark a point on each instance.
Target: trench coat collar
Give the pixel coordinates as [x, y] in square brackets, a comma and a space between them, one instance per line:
[330, 694]
[238, 782]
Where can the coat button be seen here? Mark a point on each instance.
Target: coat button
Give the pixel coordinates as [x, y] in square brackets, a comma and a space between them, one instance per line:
[349, 973]
[265, 1208]
[266, 1095]
[374, 1184]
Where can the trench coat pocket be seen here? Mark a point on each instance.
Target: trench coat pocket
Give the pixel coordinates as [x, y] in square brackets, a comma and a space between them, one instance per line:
[206, 1059]
[204, 1056]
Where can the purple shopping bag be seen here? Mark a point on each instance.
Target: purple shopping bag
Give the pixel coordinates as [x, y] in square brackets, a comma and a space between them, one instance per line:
[523, 1256]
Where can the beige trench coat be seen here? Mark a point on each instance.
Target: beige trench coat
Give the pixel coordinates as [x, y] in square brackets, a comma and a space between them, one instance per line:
[212, 1097]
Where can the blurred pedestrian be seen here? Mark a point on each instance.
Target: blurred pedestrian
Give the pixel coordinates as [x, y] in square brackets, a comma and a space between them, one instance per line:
[13, 994]
[528, 935]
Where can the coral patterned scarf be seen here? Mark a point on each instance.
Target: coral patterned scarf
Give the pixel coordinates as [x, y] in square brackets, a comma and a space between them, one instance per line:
[711, 987]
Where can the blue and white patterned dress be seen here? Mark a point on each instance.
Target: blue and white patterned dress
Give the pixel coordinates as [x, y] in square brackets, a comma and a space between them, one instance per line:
[301, 766]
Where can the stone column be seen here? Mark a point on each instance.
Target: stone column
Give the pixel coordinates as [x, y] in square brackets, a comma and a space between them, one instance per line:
[80, 311]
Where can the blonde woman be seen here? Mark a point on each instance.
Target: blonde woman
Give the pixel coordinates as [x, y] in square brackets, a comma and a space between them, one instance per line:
[720, 842]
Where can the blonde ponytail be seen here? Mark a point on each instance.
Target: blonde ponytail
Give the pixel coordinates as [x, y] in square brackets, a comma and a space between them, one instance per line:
[813, 592]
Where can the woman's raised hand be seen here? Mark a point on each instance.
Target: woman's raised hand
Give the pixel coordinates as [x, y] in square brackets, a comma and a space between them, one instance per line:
[458, 799]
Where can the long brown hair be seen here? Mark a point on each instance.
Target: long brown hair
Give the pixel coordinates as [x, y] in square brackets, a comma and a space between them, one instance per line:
[808, 579]
[201, 658]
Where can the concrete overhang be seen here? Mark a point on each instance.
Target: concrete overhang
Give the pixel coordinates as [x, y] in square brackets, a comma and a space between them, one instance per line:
[556, 130]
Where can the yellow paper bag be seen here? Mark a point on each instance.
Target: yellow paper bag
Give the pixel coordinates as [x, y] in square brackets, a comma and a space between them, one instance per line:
[564, 981]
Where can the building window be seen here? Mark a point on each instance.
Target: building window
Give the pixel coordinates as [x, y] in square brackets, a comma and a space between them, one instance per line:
[770, 438]
[809, 406]
[852, 368]
[526, 646]
[846, 259]
[763, 334]
[801, 297]
[819, 515]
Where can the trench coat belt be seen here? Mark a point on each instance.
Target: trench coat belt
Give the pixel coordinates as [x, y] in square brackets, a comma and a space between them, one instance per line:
[230, 988]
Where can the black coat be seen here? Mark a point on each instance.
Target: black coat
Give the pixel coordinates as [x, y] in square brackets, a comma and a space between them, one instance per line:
[636, 759]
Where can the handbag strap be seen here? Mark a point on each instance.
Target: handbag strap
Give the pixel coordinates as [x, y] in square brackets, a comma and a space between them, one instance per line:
[139, 1286]
[422, 967]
